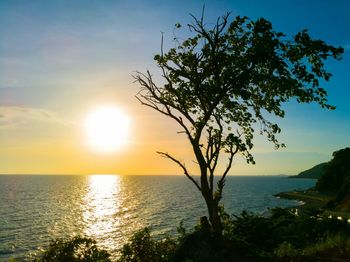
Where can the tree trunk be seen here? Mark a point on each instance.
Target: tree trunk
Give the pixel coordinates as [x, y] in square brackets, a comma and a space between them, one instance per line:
[207, 193]
[213, 211]
[215, 220]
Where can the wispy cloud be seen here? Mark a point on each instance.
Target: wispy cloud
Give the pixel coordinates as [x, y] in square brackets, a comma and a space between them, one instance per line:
[14, 116]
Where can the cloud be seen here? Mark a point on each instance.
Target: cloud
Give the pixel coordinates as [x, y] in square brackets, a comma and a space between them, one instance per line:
[13, 116]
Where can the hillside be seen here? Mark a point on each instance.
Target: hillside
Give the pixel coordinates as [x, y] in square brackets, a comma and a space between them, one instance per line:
[315, 172]
[336, 177]
[332, 190]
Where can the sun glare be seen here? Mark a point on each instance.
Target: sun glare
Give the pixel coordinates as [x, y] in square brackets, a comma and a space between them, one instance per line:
[107, 129]
[101, 205]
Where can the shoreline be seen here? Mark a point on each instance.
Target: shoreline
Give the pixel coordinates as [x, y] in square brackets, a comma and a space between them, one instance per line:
[312, 200]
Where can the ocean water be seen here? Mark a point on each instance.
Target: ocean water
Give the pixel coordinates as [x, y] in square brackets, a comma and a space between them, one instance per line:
[109, 208]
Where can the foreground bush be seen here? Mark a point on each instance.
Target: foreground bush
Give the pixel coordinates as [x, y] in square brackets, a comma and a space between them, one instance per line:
[332, 248]
[77, 249]
[283, 236]
[199, 245]
[267, 237]
[142, 248]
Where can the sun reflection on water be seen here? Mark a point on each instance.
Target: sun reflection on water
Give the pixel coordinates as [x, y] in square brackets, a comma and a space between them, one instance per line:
[101, 208]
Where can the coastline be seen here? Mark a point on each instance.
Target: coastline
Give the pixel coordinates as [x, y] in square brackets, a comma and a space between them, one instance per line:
[310, 198]
[313, 200]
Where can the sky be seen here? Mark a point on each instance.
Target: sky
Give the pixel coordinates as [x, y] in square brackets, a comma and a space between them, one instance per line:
[61, 59]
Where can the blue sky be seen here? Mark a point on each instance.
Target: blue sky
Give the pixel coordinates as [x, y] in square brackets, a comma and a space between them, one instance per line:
[58, 59]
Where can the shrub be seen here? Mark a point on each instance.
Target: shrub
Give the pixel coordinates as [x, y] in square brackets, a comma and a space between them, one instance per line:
[76, 249]
[142, 248]
[331, 248]
[282, 233]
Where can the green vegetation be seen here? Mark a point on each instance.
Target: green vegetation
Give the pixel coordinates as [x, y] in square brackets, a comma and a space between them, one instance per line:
[283, 236]
[336, 178]
[267, 237]
[331, 196]
[77, 249]
[332, 191]
[331, 248]
[221, 81]
[315, 172]
[142, 248]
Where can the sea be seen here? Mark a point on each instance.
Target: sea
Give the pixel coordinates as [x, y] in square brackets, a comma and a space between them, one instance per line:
[36, 209]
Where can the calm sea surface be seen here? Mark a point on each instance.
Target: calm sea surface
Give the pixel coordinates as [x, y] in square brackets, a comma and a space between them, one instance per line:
[36, 209]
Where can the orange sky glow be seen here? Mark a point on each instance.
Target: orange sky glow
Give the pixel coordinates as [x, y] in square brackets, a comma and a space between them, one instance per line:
[60, 61]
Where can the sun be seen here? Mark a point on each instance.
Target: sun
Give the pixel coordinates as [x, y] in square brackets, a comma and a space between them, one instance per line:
[107, 129]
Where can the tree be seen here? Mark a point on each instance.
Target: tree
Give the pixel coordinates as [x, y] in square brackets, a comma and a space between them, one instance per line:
[222, 83]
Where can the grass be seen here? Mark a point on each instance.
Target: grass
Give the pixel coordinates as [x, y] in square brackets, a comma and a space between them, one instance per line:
[332, 248]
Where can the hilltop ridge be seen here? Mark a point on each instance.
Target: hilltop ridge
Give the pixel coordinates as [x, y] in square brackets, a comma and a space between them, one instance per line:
[315, 172]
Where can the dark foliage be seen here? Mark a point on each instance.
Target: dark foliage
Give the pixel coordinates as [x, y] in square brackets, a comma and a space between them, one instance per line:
[142, 248]
[336, 178]
[261, 236]
[78, 249]
[283, 236]
[204, 245]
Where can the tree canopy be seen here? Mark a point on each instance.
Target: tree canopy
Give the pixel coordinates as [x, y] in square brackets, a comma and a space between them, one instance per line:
[223, 82]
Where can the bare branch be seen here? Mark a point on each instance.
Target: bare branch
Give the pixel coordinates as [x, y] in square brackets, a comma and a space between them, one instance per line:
[183, 168]
[153, 99]
[221, 182]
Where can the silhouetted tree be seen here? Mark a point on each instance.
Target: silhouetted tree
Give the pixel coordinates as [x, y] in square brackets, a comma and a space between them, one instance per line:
[220, 85]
